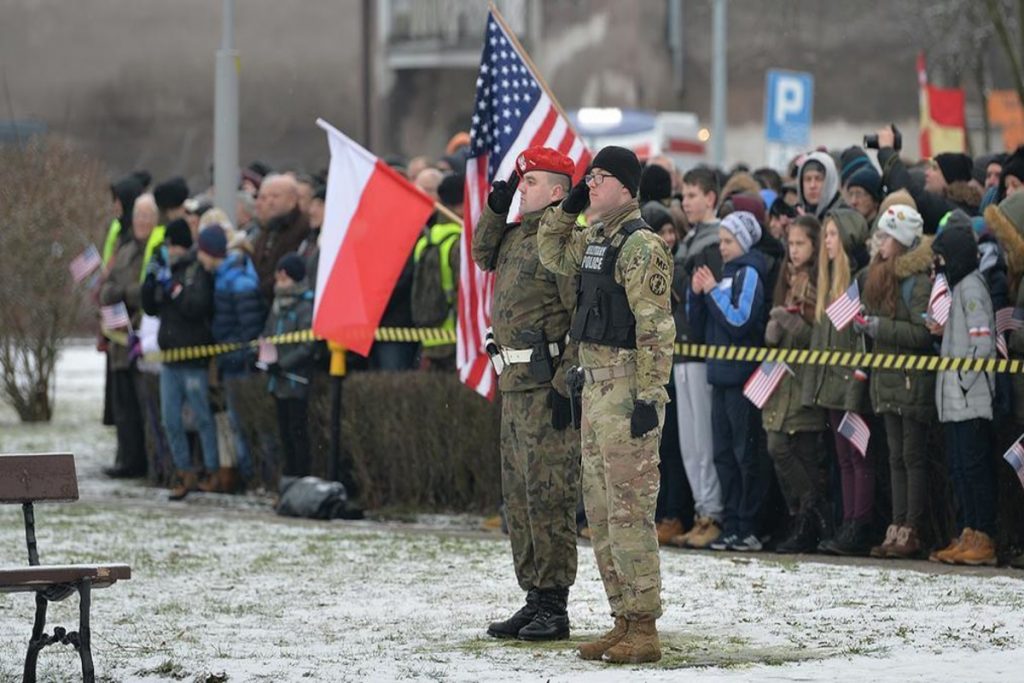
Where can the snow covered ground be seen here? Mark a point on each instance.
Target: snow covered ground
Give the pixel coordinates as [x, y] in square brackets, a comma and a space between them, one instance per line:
[224, 590]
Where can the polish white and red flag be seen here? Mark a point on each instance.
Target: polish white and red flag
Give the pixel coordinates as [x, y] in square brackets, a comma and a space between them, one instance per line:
[513, 112]
[372, 218]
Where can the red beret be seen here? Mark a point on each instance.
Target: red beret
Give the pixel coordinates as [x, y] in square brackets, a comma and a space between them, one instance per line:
[544, 159]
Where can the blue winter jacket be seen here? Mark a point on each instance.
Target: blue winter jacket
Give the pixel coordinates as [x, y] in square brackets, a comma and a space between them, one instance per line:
[732, 314]
[238, 309]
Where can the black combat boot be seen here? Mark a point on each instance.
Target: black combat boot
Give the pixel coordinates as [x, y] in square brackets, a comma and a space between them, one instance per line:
[552, 619]
[804, 537]
[510, 627]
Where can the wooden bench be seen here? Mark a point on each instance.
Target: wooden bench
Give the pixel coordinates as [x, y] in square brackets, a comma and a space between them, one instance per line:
[26, 479]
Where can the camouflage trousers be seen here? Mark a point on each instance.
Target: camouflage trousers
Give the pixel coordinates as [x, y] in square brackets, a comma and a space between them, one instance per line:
[620, 493]
[540, 473]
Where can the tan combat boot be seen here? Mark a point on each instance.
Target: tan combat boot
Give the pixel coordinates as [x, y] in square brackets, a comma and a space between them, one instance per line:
[639, 646]
[980, 551]
[186, 482]
[211, 484]
[594, 649]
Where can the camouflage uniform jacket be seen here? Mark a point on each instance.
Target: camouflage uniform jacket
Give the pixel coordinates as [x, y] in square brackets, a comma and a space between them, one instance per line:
[527, 296]
[644, 269]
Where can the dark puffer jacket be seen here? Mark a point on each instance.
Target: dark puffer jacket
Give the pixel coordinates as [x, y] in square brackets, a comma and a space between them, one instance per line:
[184, 304]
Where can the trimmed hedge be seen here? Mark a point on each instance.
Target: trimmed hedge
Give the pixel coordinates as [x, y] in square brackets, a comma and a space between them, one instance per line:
[414, 440]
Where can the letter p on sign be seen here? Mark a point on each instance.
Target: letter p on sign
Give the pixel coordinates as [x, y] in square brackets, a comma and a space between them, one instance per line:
[789, 97]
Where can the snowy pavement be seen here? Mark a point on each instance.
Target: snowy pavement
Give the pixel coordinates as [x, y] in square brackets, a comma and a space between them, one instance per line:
[228, 591]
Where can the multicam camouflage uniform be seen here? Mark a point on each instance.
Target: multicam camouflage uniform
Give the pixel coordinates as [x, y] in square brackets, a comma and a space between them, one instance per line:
[620, 473]
[540, 467]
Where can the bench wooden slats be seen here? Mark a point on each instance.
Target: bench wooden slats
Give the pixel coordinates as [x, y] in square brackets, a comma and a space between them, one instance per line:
[28, 579]
[45, 476]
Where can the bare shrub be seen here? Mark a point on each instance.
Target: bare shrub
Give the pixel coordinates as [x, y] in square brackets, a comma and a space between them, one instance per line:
[54, 202]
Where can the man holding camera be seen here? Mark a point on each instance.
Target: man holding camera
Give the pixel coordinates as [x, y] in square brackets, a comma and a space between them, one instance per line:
[540, 449]
[624, 324]
[947, 180]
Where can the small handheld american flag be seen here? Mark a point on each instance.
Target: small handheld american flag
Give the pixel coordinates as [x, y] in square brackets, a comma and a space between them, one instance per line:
[115, 316]
[1015, 456]
[843, 310]
[1006, 321]
[856, 431]
[763, 383]
[940, 301]
[86, 262]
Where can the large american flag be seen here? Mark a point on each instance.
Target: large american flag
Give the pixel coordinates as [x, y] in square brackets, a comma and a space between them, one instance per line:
[512, 113]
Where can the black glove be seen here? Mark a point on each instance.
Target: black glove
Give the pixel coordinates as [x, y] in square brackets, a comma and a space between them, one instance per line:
[577, 199]
[561, 410]
[274, 369]
[502, 193]
[645, 418]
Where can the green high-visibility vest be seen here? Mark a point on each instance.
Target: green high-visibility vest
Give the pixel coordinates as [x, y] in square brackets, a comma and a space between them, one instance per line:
[110, 244]
[445, 236]
[155, 241]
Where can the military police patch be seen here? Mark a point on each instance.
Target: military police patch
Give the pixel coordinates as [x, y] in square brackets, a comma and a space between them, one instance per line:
[658, 284]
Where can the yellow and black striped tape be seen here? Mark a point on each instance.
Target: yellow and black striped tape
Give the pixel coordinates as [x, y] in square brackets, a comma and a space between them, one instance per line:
[849, 359]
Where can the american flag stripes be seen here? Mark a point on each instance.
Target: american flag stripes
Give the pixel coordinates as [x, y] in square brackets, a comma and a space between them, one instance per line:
[1015, 457]
[86, 262]
[856, 431]
[115, 316]
[940, 300]
[1006, 321]
[763, 383]
[512, 112]
[843, 310]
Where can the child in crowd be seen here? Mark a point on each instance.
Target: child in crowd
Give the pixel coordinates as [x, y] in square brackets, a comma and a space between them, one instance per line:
[896, 291]
[731, 313]
[794, 430]
[693, 393]
[292, 311]
[964, 398]
[839, 389]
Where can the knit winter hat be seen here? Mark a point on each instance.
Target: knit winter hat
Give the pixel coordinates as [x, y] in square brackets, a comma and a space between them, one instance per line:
[655, 184]
[451, 190]
[868, 179]
[622, 164]
[903, 223]
[171, 193]
[852, 160]
[751, 203]
[655, 215]
[743, 227]
[293, 266]
[955, 166]
[178, 234]
[213, 241]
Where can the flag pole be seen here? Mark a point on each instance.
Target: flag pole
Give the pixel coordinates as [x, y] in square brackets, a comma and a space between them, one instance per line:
[448, 213]
[533, 67]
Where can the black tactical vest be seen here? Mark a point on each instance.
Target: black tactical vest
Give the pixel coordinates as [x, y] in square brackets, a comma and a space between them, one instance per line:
[602, 314]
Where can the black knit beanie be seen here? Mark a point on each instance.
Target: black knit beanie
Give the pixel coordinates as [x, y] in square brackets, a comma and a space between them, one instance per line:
[178, 234]
[622, 164]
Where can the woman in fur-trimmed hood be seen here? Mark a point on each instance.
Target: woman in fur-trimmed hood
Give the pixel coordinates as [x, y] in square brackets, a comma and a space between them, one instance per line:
[1006, 221]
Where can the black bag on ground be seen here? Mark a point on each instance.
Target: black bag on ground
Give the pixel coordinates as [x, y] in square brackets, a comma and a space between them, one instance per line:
[315, 498]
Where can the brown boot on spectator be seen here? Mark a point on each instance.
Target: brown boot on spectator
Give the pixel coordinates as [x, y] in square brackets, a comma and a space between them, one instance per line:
[949, 553]
[934, 556]
[705, 535]
[187, 481]
[907, 545]
[640, 645]
[229, 482]
[668, 529]
[980, 551]
[596, 648]
[211, 483]
[886, 545]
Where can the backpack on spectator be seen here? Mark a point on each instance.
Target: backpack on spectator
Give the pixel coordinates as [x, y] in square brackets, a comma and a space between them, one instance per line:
[432, 297]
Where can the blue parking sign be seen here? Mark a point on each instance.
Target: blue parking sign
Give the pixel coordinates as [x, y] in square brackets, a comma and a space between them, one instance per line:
[788, 106]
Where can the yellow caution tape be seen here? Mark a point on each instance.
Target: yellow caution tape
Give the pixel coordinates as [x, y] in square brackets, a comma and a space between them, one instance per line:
[755, 354]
